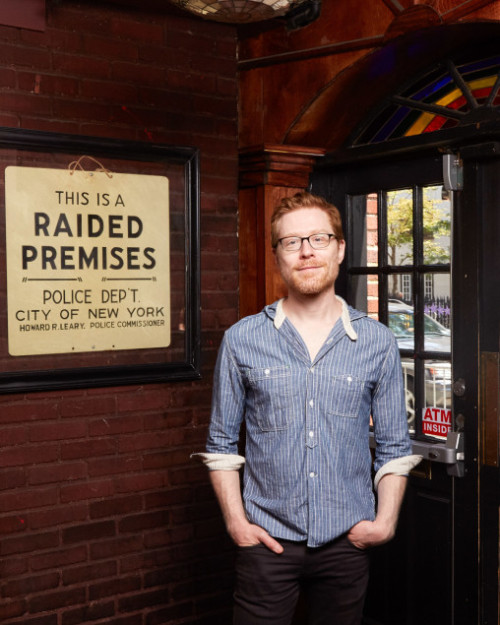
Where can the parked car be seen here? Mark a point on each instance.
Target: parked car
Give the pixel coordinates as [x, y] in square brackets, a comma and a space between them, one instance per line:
[437, 372]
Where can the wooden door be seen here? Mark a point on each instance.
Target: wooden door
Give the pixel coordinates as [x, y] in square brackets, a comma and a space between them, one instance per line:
[416, 262]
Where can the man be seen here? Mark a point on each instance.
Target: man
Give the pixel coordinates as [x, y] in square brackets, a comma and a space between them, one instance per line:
[306, 375]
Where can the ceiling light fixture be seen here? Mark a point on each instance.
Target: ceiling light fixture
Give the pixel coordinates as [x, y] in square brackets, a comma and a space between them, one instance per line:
[240, 11]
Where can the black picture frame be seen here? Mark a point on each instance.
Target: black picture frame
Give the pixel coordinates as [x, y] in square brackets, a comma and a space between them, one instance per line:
[188, 368]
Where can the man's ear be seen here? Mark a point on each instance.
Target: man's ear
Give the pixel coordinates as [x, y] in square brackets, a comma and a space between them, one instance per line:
[341, 250]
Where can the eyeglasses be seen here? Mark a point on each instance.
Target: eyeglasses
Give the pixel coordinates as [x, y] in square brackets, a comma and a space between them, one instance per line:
[317, 241]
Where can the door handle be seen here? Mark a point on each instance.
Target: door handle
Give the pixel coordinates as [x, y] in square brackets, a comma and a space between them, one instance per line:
[451, 453]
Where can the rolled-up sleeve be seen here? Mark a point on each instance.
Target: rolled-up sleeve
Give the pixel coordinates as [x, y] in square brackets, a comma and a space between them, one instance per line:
[228, 404]
[389, 411]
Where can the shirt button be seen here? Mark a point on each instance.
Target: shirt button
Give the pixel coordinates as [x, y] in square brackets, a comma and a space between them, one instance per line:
[311, 403]
[311, 434]
[349, 379]
[312, 474]
[267, 371]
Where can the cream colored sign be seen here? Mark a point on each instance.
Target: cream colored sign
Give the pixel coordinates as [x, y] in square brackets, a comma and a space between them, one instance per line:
[87, 261]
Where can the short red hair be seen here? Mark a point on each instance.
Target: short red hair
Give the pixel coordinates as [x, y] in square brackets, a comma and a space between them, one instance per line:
[304, 199]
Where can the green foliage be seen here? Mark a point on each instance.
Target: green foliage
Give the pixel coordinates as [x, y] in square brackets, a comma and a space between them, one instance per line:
[436, 223]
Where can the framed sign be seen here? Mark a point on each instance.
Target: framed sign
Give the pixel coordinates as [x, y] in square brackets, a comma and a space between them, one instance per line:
[100, 280]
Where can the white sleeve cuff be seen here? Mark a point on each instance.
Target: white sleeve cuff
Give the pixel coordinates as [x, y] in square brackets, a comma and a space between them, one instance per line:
[220, 462]
[398, 466]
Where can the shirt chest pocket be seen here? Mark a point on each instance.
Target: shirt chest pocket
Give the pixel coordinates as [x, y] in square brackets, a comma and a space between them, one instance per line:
[272, 393]
[345, 395]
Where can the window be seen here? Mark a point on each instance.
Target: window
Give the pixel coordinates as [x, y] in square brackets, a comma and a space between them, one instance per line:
[399, 273]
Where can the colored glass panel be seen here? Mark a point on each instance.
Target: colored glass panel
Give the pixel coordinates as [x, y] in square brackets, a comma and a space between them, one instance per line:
[438, 88]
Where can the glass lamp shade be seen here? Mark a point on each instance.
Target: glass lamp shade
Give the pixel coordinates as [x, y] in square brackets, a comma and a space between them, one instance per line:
[238, 11]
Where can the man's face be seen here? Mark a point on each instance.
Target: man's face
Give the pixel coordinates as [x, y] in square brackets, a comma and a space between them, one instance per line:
[308, 271]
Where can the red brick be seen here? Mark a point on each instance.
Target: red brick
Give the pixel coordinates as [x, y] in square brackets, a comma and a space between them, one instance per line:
[115, 506]
[142, 600]
[138, 31]
[112, 92]
[45, 125]
[30, 585]
[106, 47]
[57, 431]
[114, 466]
[50, 619]
[12, 524]
[7, 33]
[11, 609]
[13, 567]
[138, 74]
[145, 440]
[88, 532]
[29, 103]
[91, 448]
[47, 474]
[88, 613]
[13, 436]
[79, 19]
[171, 614]
[47, 84]
[147, 520]
[190, 81]
[168, 498]
[67, 40]
[29, 543]
[52, 517]
[28, 499]
[81, 111]
[7, 78]
[88, 406]
[24, 56]
[9, 121]
[119, 547]
[159, 421]
[114, 587]
[87, 491]
[27, 454]
[54, 600]
[54, 559]
[89, 572]
[138, 483]
[80, 65]
[112, 426]
[164, 100]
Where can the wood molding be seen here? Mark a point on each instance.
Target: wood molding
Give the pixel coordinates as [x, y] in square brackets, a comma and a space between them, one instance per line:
[277, 165]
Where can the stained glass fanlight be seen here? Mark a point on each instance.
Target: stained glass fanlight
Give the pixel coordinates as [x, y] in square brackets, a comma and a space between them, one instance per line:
[451, 95]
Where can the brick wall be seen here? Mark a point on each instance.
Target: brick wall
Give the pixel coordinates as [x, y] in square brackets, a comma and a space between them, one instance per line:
[103, 517]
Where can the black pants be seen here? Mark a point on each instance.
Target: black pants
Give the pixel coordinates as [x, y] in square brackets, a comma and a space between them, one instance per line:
[334, 578]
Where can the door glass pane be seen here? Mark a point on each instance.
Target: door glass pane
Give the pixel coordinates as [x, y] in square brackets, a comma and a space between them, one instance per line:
[399, 273]
[401, 288]
[401, 318]
[409, 386]
[436, 414]
[399, 227]
[437, 313]
[437, 226]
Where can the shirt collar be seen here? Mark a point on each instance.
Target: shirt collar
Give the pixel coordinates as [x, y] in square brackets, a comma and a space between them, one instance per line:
[344, 316]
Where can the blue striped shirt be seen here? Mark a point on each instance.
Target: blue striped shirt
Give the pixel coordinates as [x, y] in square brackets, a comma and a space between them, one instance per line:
[308, 471]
